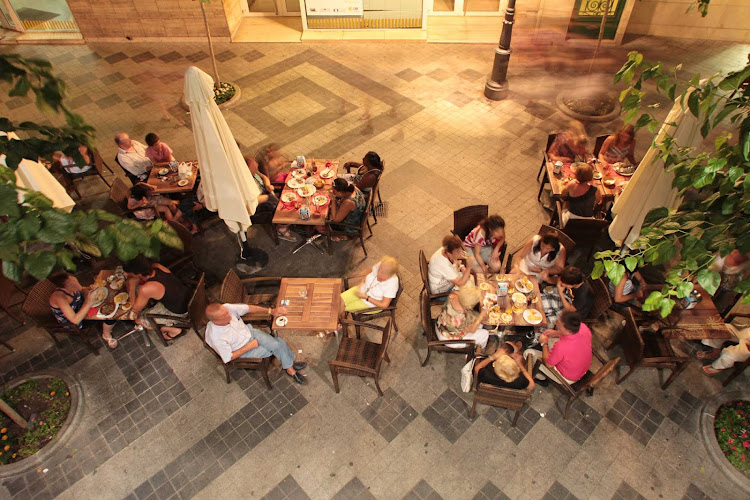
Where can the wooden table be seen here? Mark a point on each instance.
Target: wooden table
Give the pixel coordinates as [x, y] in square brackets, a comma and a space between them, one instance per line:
[557, 182]
[701, 322]
[318, 216]
[505, 302]
[169, 186]
[313, 303]
[120, 314]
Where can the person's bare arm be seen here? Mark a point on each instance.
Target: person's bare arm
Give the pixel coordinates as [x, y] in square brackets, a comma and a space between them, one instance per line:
[72, 316]
[340, 213]
[477, 252]
[566, 304]
[522, 255]
[245, 348]
[149, 290]
[559, 262]
[461, 280]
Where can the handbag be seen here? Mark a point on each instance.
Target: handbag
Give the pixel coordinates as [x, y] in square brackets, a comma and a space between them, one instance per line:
[467, 375]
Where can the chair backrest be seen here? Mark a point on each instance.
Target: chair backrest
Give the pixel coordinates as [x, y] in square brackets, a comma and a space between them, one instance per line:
[184, 234]
[467, 218]
[599, 143]
[631, 340]
[197, 307]
[394, 302]
[232, 291]
[424, 270]
[133, 179]
[37, 305]
[550, 139]
[602, 300]
[119, 193]
[565, 240]
[585, 232]
[98, 161]
[428, 325]
[383, 349]
[366, 215]
[600, 375]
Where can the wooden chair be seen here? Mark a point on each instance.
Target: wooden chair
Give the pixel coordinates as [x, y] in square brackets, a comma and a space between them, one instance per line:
[512, 399]
[651, 351]
[434, 298]
[585, 232]
[599, 143]
[160, 320]
[550, 139]
[565, 241]
[586, 384]
[198, 319]
[467, 347]
[390, 311]
[176, 259]
[359, 230]
[467, 218]
[118, 193]
[261, 291]
[374, 191]
[360, 357]
[37, 306]
[602, 300]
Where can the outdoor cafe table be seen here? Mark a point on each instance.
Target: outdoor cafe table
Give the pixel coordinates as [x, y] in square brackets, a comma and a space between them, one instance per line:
[505, 302]
[170, 184]
[557, 182]
[701, 322]
[313, 303]
[120, 314]
[286, 214]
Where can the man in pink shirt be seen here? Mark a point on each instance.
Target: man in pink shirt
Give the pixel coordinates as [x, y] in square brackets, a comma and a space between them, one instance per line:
[158, 152]
[570, 354]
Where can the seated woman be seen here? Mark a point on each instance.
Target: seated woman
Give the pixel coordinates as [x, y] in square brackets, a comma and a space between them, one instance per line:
[504, 368]
[347, 208]
[368, 173]
[267, 200]
[69, 164]
[629, 292]
[485, 242]
[69, 305]
[459, 321]
[272, 162]
[570, 145]
[374, 292]
[542, 257]
[158, 152]
[148, 205]
[619, 147]
[579, 197]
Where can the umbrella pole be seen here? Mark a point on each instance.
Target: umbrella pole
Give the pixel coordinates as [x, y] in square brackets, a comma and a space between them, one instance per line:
[251, 259]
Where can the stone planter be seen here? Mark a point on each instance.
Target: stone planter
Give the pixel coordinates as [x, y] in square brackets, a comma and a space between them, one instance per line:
[559, 101]
[224, 105]
[44, 458]
[708, 436]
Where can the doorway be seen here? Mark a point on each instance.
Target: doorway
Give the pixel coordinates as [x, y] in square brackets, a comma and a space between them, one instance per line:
[271, 8]
[37, 15]
[586, 19]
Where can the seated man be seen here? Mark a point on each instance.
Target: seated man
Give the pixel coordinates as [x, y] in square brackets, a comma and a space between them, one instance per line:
[156, 283]
[444, 271]
[231, 338]
[570, 353]
[728, 356]
[131, 156]
[572, 294]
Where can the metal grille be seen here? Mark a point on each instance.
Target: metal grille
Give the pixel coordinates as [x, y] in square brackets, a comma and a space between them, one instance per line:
[51, 25]
[360, 23]
[596, 7]
[381, 209]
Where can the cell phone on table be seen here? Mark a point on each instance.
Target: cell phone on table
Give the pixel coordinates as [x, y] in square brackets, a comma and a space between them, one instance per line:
[285, 302]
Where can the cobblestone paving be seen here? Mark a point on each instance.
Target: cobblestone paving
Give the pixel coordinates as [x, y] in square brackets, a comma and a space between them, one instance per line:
[163, 423]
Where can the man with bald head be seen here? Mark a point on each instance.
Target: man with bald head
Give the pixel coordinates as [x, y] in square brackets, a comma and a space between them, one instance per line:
[231, 338]
[131, 156]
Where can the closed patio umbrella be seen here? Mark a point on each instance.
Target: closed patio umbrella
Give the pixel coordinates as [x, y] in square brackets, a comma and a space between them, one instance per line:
[651, 186]
[228, 186]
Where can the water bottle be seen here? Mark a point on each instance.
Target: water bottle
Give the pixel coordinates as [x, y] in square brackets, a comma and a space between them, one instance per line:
[304, 212]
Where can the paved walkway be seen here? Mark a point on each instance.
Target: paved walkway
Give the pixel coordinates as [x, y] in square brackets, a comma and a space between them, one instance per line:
[162, 423]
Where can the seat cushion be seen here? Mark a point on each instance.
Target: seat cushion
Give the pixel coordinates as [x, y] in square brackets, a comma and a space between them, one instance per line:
[358, 352]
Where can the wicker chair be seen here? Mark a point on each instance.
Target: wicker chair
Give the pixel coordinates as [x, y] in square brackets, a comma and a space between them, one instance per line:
[359, 230]
[586, 384]
[119, 193]
[565, 241]
[550, 139]
[390, 311]
[434, 298]
[361, 357]
[502, 397]
[467, 347]
[198, 319]
[37, 306]
[602, 300]
[467, 218]
[651, 351]
[374, 191]
[263, 292]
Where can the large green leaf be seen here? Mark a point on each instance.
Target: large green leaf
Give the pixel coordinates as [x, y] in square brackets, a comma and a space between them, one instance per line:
[709, 279]
[11, 270]
[40, 264]
[8, 201]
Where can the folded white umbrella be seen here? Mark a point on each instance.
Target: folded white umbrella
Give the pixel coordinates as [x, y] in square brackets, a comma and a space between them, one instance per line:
[651, 186]
[228, 186]
[35, 176]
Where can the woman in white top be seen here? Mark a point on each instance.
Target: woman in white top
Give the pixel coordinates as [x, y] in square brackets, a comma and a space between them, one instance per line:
[444, 270]
[375, 292]
[69, 164]
[542, 257]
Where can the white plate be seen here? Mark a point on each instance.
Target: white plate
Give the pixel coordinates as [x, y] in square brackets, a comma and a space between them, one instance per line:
[163, 171]
[306, 191]
[121, 297]
[597, 175]
[518, 297]
[183, 182]
[485, 286]
[327, 173]
[624, 170]
[299, 173]
[282, 321]
[288, 197]
[523, 289]
[527, 315]
[295, 183]
[100, 295]
[320, 200]
[490, 299]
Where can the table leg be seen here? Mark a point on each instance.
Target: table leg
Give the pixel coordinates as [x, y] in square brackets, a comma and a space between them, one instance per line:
[137, 328]
[310, 240]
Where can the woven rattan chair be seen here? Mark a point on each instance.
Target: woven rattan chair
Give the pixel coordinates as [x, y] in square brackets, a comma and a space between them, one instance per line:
[602, 300]
[502, 397]
[465, 347]
[361, 357]
[649, 351]
[374, 191]
[586, 384]
[261, 291]
[119, 193]
[435, 298]
[359, 231]
[467, 218]
[37, 306]
[565, 241]
[198, 319]
[390, 311]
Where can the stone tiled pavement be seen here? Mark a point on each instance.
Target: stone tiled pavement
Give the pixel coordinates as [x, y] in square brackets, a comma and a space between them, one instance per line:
[162, 422]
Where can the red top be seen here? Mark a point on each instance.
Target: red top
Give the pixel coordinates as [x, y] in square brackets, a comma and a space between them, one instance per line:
[571, 354]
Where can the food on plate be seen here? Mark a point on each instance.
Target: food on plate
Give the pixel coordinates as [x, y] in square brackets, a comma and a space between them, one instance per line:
[288, 197]
[295, 183]
[624, 168]
[327, 173]
[494, 317]
[518, 298]
[506, 318]
[597, 175]
[495, 309]
[532, 316]
[609, 182]
[126, 306]
[282, 321]
[524, 285]
[117, 283]
[121, 297]
[99, 296]
[306, 190]
[485, 286]
[163, 171]
[107, 309]
[320, 200]
[183, 182]
[299, 173]
[318, 183]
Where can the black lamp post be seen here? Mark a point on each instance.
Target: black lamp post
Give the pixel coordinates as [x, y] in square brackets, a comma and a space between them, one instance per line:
[496, 87]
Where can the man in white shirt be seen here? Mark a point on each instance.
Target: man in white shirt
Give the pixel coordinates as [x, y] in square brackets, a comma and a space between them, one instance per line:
[132, 156]
[231, 338]
[728, 356]
[444, 271]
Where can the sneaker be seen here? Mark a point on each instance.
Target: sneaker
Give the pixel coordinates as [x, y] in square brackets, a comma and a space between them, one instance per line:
[299, 379]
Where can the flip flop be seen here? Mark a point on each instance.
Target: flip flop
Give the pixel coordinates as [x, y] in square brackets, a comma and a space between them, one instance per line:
[287, 237]
[171, 337]
[709, 370]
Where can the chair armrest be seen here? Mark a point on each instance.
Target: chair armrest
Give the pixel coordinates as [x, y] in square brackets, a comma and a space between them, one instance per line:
[666, 359]
[350, 366]
[260, 279]
[347, 322]
[347, 278]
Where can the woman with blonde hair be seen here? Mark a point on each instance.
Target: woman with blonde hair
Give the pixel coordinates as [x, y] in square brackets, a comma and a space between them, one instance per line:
[580, 197]
[504, 368]
[375, 292]
[459, 321]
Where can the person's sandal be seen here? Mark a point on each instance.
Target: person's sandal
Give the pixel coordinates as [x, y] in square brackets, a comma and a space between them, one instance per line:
[709, 370]
[111, 342]
[287, 236]
[706, 355]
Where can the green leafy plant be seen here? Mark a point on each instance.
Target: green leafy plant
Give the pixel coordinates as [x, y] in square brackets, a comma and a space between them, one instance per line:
[732, 424]
[36, 237]
[223, 92]
[714, 216]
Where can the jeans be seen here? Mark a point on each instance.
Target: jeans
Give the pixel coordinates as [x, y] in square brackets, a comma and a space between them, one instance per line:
[270, 346]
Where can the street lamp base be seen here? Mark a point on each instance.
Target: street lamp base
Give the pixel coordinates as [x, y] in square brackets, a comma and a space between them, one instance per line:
[496, 91]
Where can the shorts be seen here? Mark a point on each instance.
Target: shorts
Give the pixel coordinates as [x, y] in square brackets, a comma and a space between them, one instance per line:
[159, 308]
[354, 304]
